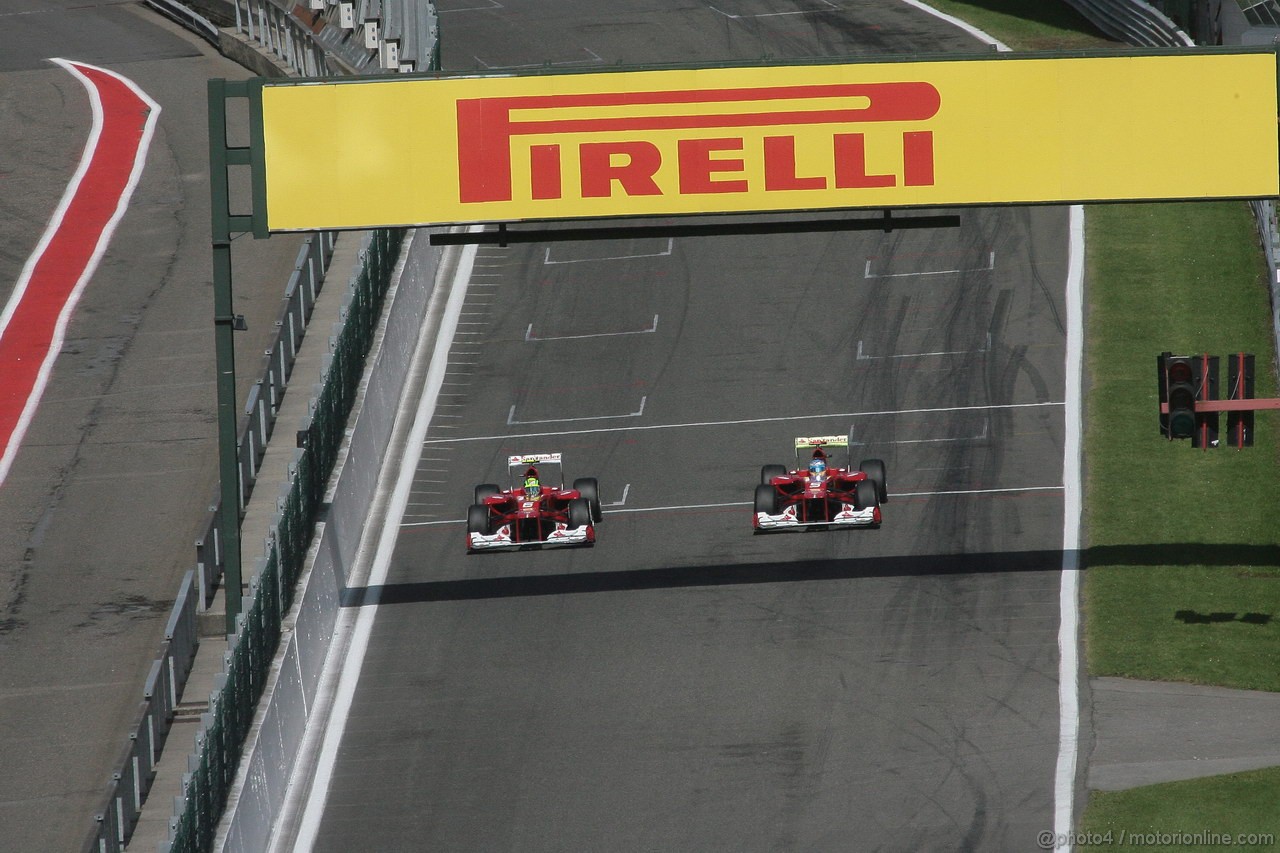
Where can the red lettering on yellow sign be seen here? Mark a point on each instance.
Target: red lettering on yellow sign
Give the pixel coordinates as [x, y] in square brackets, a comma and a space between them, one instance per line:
[698, 167]
[544, 161]
[487, 127]
[632, 164]
[780, 167]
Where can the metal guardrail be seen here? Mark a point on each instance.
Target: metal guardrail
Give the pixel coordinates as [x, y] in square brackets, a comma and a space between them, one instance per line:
[211, 768]
[1264, 212]
[187, 17]
[258, 423]
[161, 693]
[223, 728]
[1133, 22]
[346, 36]
[322, 37]
[163, 689]
[279, 32]
[322, 431]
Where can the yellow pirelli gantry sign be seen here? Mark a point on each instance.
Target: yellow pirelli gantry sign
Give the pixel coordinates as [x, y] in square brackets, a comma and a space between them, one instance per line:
[358, 154]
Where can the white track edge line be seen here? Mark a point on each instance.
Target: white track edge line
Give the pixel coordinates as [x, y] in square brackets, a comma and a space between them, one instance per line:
[1069, 595]
[349, 680]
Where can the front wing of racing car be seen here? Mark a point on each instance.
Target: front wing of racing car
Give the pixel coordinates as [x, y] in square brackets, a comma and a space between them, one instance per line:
[563, 535]
[789, 518]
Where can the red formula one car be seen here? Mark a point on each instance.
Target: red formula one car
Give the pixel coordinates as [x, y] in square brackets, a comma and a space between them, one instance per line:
[819, 493]
[536, 511]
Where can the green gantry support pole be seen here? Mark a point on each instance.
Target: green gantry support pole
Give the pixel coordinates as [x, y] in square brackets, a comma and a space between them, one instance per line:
[224, 321]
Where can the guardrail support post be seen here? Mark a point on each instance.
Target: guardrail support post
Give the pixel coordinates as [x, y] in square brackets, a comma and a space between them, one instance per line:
[225, 323]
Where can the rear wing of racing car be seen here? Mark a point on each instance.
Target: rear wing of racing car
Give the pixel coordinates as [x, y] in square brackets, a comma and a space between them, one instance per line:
[805, 445]
[550, 470]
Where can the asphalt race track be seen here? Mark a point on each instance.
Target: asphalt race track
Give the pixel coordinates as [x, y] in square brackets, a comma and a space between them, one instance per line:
[685, 685]
[109, 490]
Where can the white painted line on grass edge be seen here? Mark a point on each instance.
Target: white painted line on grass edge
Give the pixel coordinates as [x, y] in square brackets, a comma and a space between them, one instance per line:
[956, 22]
[1069, 595]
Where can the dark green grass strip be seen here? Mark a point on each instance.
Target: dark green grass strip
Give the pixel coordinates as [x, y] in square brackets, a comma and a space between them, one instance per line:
[1236, 811]
[1183, 577]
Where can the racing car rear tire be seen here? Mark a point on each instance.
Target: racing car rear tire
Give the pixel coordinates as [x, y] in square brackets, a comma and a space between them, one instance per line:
[768, 472]
[864, 494]
[478, 519]
[579, 512]
[590, 491]
[766, 499]
[486, 490]
[874, 469]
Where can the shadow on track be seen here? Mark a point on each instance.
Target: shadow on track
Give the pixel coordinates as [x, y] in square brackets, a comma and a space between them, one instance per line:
[1183, 554]
[1180, 554]
[691, 576]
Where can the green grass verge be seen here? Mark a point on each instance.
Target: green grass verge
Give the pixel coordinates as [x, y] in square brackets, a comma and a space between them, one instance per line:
[1236, 805]
[1184, 566]
[1183, 580]
[1029, 24]
[1183, 577]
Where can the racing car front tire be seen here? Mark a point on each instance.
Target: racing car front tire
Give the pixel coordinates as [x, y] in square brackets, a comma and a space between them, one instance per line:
[590, 491]
[768, 472]
[766, 499]
[579, 512]
[874, 469]
[864, 494]
[486, 490]
[478, 519]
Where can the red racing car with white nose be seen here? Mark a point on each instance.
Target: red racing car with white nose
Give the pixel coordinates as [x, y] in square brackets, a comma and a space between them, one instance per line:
[818, 492]
[537, 512]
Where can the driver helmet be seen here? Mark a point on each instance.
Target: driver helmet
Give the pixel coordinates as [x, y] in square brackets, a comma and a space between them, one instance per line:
[532, 488]
[817, 468]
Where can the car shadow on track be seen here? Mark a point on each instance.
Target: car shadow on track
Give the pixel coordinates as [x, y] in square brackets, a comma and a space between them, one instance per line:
[1174, 554]
[692, 576]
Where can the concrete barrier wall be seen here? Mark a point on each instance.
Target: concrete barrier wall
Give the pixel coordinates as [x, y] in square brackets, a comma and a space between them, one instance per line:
[286, 706]
[362, 464]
